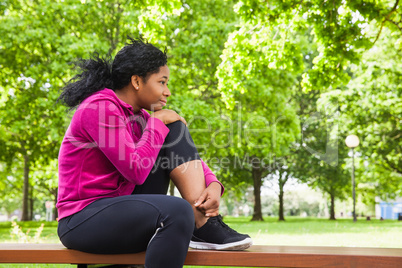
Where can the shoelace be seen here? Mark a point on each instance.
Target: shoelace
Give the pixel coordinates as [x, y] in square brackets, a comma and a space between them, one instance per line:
[218, 220]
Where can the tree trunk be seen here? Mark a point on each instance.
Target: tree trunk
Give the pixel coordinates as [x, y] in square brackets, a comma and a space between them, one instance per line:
[25, 198]
[171, 188]
[31, 204]
[283, 178]
[332, 209]
[257, 178]
[281, 194]
[55, 211]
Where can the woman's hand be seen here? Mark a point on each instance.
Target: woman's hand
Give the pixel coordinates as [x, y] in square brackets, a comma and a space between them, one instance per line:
[208, 202]
[168, 116]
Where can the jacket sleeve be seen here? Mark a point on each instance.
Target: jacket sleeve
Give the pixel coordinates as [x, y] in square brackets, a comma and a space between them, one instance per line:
[104, 123]
[210, 176]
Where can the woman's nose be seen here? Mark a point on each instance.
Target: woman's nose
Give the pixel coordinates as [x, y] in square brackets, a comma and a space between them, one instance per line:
[167, 92]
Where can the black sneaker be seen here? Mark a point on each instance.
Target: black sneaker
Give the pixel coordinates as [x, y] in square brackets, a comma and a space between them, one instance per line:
[215, 234]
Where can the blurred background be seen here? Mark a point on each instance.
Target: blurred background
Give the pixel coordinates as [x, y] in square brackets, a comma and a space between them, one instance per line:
[270, 91]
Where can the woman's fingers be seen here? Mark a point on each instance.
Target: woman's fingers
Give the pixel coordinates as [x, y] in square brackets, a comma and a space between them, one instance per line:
[210, 207]
[208, 202]
[200, 201]
[212, 213]
[168, 116]
[183, 120]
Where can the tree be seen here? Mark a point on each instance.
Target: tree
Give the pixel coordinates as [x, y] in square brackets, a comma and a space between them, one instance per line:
[370, 106]
[256, 78]
[339, 28]
[281, 174]
[237, 78]
[342, 31]
[10, 199]
[45, 183]
[319, 159]
[34, 65]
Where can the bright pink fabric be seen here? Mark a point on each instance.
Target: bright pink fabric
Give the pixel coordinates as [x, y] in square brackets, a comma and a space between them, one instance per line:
[106, 151]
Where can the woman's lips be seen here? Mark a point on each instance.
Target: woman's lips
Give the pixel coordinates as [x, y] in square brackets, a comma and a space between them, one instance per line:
[163, 102]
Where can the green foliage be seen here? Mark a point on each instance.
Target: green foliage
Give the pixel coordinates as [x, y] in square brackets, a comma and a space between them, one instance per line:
[371, 108]
[257, 97]
[340, 29]
[246, 75]
[36, 52]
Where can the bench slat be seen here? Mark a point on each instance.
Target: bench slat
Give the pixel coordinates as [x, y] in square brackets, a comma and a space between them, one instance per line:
[258, 256]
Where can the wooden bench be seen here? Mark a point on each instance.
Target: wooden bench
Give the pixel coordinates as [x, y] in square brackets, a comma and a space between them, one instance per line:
[257, 256]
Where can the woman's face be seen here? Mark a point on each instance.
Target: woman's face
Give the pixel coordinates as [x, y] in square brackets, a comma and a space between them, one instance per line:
[154, 92]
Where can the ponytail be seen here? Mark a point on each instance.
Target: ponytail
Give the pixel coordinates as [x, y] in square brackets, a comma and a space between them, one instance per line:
[95, 75]
[135, 58]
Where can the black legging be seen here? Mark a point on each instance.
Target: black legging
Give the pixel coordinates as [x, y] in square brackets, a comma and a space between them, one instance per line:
[147, 220]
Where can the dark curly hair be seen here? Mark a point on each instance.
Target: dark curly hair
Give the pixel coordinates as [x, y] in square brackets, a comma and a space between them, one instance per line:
[135, 58]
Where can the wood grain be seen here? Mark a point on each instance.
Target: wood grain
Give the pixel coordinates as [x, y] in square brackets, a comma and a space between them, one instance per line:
[258, 256]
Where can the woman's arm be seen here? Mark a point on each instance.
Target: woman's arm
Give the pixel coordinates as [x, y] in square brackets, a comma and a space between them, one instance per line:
[209, 200]
[210, 176]
[105, 124]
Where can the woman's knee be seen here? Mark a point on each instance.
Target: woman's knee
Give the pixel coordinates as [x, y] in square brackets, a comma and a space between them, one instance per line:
[182, 215]
[187, 211]
[177, 124]
[179, 146]
[179, 132]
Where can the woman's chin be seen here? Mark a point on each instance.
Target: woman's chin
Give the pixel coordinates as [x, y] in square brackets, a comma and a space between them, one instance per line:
[157, 108]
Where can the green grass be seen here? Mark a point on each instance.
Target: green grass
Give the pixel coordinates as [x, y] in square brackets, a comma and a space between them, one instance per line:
[48, 235]
[321, 232]
[293, 231]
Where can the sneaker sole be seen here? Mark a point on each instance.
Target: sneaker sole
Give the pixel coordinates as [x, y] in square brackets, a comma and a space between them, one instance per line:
[239, 245]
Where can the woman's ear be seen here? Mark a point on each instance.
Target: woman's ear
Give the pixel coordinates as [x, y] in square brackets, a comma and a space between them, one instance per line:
[135, 81]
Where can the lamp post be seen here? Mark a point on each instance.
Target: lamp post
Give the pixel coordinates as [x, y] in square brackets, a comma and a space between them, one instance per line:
[352, 141]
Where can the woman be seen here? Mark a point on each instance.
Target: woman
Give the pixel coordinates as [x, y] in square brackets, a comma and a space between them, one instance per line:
[116, 161]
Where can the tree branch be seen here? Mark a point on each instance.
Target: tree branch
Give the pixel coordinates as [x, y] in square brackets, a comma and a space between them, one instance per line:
[386, 19]
[396, 24]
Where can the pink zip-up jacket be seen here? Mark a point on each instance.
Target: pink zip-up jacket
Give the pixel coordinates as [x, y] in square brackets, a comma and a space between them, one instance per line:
[108, 150]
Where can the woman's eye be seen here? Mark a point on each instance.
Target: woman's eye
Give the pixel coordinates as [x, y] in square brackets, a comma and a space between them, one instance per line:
[162, 82]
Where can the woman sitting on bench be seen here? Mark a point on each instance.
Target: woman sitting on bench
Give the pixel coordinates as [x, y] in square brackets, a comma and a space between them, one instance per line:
[116, 161]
